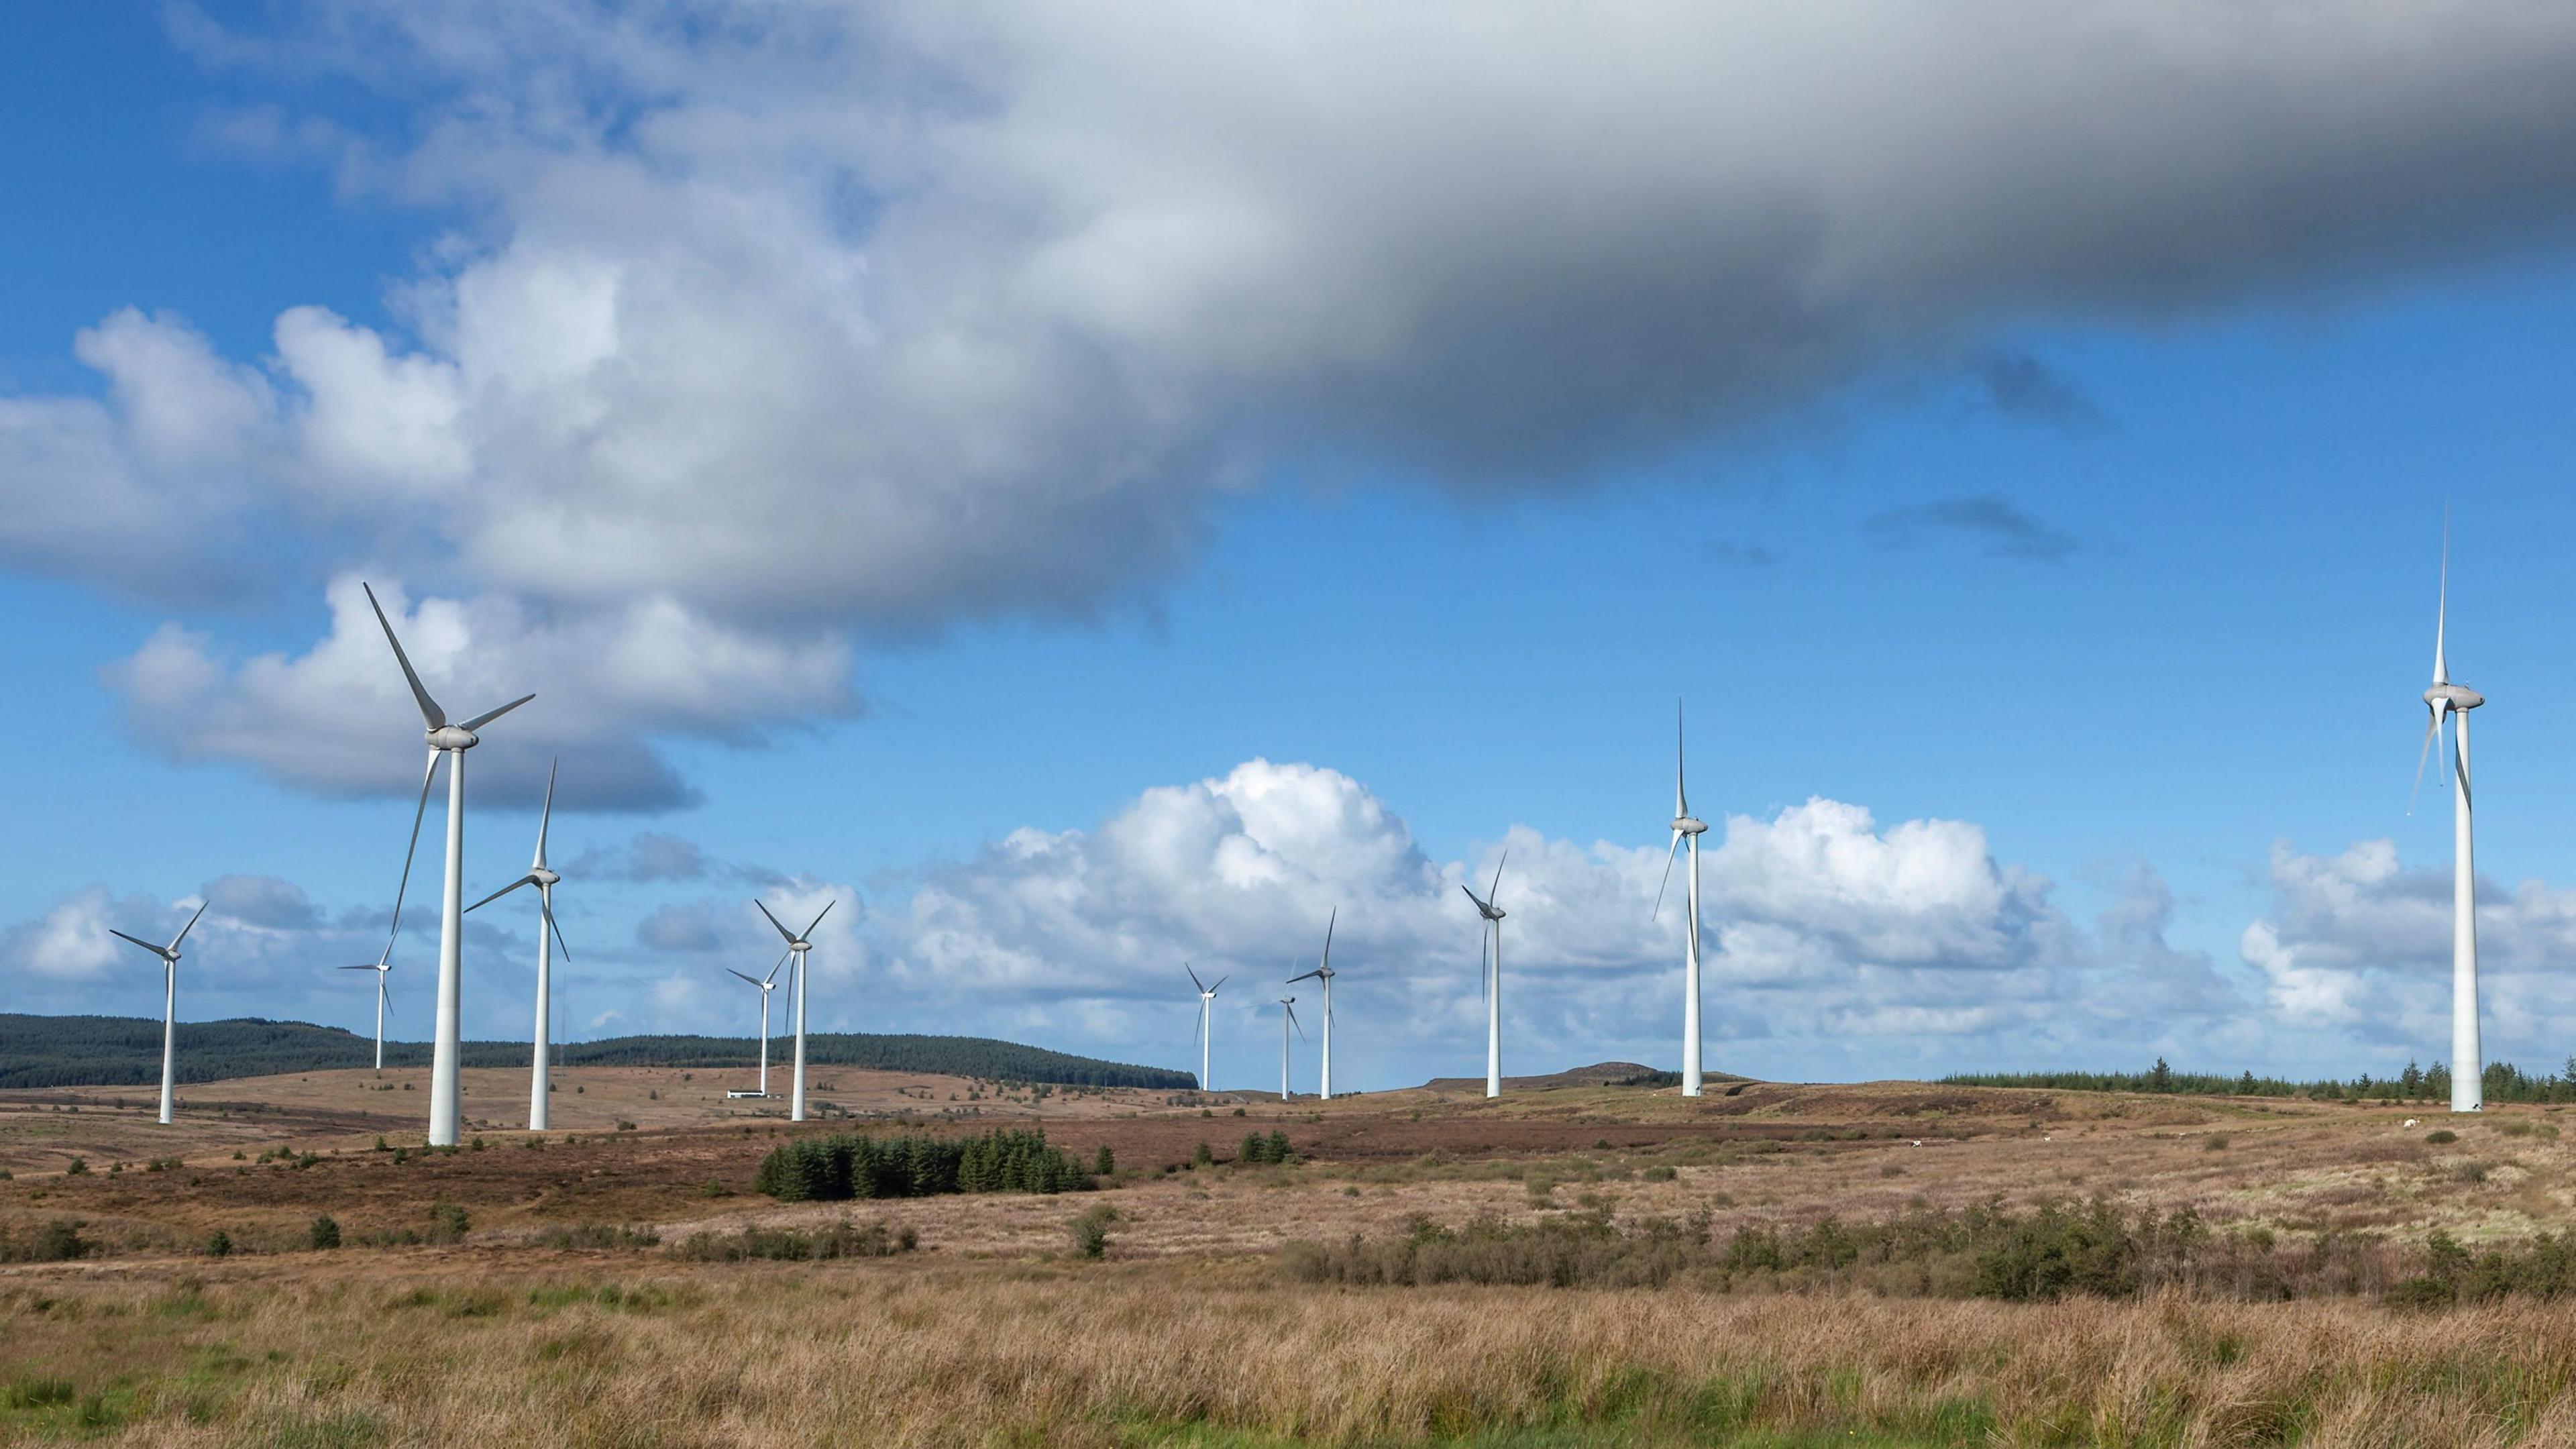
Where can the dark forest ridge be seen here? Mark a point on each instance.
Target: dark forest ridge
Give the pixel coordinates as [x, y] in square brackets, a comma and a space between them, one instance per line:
[105, 1051]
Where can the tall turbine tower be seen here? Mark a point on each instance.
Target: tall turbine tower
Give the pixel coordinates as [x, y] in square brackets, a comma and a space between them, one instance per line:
[446, 1083]
[766, 985]
[544, 880]
[1287, 1004]
[798, 943]
[1207, 1020]
[169, 998]
[1690, 828]
[1324, 973]
[2467, 1063]
[380, 966]
[1493, 967]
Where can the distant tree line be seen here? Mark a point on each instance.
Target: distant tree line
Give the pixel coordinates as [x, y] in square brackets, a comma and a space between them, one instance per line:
[106, 1051]
[856, 1165]
[2502, 1081]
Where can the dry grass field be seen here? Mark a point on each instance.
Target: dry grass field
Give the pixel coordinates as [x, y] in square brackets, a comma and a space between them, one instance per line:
[558, 1295]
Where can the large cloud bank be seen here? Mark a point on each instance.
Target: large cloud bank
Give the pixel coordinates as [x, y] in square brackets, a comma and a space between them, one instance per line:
[759, 328]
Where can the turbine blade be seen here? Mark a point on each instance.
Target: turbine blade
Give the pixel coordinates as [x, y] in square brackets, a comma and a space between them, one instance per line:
[1309, 976]
[1194, 978]
[489, 715]
[773, 920]
[1329, 923]
[427, 777]
[364, 966]
[503, 891]
[545, 817]
[2442, 608]
[192, 925]
[548, 909]
[1669, 852]
[429, 710]
[150, 946]
[818, 919]
[1293, 1021]
[1681, 800]
[1494, 892]
[754, 980]
[1471, 895]
[2432, 727]
[1220, 981]
[773, 968]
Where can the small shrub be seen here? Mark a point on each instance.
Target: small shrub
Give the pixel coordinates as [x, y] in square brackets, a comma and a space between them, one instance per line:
[58, 1241]
[1661, 1172]
[219, 1244]
[598, 1235]
[2441, 1136]
[1204, 1156]
[80, 1167]
[841, 1240]
[448, 1223]
[1104, 1162]
[625, 1126]
[2214, 1142]
[1090, 1232]
[324, 1233]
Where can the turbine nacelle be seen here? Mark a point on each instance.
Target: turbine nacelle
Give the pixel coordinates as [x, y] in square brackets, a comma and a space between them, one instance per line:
[544, 877]
[2457, 696]
[453, 737]
[1689, 825]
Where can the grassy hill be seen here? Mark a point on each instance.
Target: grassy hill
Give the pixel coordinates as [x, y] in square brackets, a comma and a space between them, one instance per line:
[103, 1051]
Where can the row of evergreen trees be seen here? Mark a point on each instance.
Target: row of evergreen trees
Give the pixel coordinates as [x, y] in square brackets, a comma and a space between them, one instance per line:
[2501, 1081]
[105, 1051]
[855, 1165]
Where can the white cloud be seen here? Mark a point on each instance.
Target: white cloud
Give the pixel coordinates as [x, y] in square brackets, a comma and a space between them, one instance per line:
[2360, 944]
[339, 718]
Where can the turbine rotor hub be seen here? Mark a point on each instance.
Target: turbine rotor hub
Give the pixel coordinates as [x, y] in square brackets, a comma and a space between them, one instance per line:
[452, 737]
[543, 876]
[2457, 696]
[1690, 824]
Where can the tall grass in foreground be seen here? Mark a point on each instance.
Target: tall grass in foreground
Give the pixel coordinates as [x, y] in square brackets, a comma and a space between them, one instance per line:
[900, 1353]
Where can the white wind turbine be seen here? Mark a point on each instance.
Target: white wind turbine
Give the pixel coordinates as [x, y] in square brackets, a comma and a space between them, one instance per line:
[1492, 966]
[1685, 827]
[544, 880]
[381, 965]
[798, 944]
[169, 998]
[2467, 1060]
[446, 1083]
[1325, 973]
[766, 985]
[1207, 1020]
[1287, 1004]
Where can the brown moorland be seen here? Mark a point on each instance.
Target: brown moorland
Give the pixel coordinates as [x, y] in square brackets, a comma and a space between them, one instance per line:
[992, 1329]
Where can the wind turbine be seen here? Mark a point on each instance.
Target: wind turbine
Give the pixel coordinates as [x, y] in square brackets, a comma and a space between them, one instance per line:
[1685, 827]
[2467, 1062]
[1324, 973]
[544, 880]
[381, 965]
[1287, 1004]
[446, 1085]
[169, 998]
[1207, 1020]
[1493, 981]
[766, 985]
[798, 943]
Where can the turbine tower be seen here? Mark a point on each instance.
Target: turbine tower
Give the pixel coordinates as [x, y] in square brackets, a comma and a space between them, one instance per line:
[2444, 697]
[446, 1083]
[1287, 1004]
[798, 943]
[1207, 1020]
[380, 966]
[1324, 973]
[766, 985]
[544, 880]
[1685, 827]
[169, 998]
[1492, 966]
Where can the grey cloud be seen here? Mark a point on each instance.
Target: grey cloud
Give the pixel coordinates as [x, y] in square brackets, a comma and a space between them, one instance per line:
[2020, 385]
[263, 900]
[1999, 528]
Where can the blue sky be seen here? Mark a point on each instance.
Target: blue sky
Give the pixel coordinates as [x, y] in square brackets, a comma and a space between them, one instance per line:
[2112, 546]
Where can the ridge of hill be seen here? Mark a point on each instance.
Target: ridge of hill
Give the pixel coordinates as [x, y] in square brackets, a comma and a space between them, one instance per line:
[1599, 1074]
[105, 1051]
